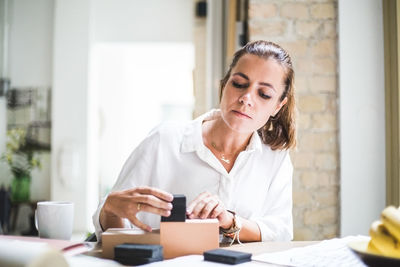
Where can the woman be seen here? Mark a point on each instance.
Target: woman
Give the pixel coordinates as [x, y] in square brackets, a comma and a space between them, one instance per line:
[232, 164]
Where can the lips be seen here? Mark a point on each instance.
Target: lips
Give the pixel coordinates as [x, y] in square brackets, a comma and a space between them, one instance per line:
[241, 114]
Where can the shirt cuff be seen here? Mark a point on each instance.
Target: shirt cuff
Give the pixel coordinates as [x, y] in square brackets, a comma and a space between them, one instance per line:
[96, 221]
[274, 231]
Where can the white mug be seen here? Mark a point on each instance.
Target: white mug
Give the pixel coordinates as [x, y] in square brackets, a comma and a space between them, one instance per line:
[54, 219]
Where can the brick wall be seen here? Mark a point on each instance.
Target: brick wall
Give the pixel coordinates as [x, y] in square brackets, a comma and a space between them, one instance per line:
[307, 29]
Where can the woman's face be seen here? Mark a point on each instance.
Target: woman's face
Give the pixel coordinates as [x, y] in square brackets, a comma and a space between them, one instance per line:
[252, 93]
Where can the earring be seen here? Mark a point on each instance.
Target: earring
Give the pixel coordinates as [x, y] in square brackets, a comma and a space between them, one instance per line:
[273, 118]
[271, 127]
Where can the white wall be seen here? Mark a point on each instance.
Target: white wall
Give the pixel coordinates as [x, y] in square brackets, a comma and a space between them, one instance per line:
[71, 172]
[31, 41]
[143, 21]
[362, 114]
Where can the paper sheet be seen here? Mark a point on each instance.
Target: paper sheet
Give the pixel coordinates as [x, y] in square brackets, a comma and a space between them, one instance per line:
[195, 261]
[83, 260]
[333, 252]
[17, 253]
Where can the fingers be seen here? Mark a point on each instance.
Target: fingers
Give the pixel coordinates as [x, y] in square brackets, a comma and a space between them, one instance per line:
[127, 203]
[161, 194]
[196, 201]
[150, 196]
[210, 204]
[151, 209]
[151, 200]
[205, 206]
[218, 210]
[139, 224]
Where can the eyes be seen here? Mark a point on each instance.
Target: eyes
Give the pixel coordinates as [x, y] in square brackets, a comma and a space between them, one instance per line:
[240, 86]
[246, 85]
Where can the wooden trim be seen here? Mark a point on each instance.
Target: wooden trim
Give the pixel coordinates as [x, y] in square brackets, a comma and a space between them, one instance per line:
[391, 19]
[231, 30]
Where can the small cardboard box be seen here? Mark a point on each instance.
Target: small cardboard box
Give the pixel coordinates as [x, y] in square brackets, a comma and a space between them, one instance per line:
[189, 237]
[116, 236]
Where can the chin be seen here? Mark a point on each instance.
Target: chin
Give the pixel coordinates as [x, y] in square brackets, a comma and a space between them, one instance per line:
[239, 126]
[242, 129]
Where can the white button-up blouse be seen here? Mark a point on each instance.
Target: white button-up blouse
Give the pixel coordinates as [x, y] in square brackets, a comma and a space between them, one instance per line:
[174, 158]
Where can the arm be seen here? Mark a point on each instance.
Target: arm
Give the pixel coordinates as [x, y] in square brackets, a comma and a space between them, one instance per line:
[207, 205]
[250, 231]
[276, 224]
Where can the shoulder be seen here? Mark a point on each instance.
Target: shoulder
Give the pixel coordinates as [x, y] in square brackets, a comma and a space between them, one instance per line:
[168, 131]
[165, 136]
[277, 153]
[277, 157]
[170, 128]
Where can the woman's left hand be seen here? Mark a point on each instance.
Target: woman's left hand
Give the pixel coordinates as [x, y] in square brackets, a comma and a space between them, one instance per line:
[207, 205]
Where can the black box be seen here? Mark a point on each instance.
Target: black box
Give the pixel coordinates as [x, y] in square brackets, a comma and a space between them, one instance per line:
[137, 261]
[128, 250]
[226, 256]
[178, 212]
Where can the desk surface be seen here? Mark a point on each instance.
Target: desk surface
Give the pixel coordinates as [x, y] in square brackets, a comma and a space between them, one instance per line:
[253, 247]
[261, 247]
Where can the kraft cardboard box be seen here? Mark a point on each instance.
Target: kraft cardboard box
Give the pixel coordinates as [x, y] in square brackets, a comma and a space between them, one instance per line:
[116, 236]
[189, 237]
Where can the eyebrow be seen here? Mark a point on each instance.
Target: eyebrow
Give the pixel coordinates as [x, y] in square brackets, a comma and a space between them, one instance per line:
[241, 74]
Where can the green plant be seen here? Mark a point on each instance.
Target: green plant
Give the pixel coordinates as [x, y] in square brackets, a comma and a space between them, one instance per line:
[19, 154]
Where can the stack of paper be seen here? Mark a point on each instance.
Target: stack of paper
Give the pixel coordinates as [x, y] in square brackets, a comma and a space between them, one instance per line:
[34, 254]
[333, 252]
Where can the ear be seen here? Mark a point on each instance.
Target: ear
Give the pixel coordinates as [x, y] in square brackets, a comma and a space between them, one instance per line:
[280, 105]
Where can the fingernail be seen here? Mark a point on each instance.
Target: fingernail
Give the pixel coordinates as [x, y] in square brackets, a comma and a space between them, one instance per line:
[170, 206]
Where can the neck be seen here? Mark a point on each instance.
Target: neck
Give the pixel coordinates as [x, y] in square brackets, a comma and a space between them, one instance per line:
[223, 139]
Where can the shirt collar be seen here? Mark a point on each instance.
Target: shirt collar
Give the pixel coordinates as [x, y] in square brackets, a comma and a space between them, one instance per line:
[193, 139]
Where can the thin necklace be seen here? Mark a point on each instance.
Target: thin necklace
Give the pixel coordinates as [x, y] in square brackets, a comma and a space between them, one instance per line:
[222, 156]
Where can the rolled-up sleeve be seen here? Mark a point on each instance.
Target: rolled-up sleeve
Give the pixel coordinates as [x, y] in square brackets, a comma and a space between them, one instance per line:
[277, 222]
[96, 220]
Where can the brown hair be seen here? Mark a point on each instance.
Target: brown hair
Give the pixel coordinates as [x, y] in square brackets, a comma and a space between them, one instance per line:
[280, 131]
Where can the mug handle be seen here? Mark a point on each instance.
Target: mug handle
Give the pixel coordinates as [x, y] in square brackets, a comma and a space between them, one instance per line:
[36, 224]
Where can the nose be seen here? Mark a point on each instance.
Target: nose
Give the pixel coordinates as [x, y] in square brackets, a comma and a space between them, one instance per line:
[246, 99]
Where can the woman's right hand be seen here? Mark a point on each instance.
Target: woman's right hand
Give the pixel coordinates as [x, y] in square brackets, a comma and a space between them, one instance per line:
[127, 203]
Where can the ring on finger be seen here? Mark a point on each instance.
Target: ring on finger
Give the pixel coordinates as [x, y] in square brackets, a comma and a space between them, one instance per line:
[138, 206]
